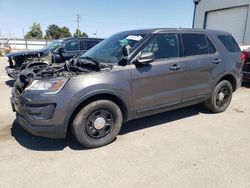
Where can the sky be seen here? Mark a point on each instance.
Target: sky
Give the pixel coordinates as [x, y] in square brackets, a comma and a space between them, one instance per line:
[104, 17]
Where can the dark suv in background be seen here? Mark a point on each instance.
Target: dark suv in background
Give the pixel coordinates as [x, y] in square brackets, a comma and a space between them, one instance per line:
[130, 75]
[56, 51]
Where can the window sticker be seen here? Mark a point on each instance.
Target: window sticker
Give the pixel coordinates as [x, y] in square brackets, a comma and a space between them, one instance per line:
[134, 37]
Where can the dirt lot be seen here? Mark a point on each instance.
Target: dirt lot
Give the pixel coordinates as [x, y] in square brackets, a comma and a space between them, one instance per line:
[183, 148]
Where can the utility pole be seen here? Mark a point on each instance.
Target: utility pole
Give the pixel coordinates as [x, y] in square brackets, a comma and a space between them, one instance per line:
[78, 19]
[23, 32]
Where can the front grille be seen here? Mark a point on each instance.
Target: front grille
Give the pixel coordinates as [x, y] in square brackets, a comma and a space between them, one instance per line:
[246, 67]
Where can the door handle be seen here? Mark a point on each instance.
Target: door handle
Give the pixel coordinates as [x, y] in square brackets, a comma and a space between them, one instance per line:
[217, 61]
[175, 67]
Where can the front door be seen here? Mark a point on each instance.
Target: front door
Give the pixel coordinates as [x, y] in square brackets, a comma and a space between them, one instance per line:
[160, 83]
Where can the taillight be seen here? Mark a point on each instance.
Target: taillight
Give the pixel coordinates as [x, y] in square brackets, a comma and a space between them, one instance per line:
[243, 57]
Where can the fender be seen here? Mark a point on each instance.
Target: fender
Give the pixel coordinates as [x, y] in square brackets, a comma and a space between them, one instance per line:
[74, 106]
[230, 74]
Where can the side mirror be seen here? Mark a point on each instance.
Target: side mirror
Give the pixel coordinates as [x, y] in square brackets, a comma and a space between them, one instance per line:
[145, 58]
[61, 50]
[126, 50]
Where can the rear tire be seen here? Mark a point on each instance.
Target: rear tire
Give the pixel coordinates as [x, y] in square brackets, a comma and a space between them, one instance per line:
[221, 97]
[97, 124]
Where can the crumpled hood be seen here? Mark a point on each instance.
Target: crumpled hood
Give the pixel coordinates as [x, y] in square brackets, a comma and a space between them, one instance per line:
[24, 53]
[70, 68]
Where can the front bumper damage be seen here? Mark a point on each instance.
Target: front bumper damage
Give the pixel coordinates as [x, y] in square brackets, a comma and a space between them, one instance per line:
[39, 118]
[47, 114]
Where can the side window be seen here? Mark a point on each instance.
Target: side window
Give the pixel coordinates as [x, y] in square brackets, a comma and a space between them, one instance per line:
[195, 44]
[89, 44]
[211, 47]
[151, 47]
[71, 45]
[164, 46]
[229, 42]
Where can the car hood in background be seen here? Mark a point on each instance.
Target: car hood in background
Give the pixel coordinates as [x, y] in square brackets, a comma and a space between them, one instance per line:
[24, 53]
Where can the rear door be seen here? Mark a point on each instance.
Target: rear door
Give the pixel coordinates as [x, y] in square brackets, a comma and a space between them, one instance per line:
[159, 84]
[203, 65]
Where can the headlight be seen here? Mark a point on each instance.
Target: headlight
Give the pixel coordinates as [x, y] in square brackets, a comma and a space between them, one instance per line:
[50, 86]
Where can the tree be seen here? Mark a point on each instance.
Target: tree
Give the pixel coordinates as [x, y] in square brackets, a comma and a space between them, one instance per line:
[35, 32]
[81, 34]
[84, 34]
[65, 32]
[55, 32]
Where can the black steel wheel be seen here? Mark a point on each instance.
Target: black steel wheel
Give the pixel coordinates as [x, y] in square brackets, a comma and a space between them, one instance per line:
[221, 97]
[97, 124]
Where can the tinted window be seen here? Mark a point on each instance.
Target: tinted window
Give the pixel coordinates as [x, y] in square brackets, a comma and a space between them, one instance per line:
[71, 45]
[196, 44]
[229, 42]
[211, 47]
[164, 46]
[89, 44]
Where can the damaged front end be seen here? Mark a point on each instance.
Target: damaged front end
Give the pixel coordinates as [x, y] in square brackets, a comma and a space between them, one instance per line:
[18, 59]
[38, 99]
[64, 71]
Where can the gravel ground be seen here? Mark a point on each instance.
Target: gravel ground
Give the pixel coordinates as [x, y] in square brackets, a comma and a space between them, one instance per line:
[183, 148]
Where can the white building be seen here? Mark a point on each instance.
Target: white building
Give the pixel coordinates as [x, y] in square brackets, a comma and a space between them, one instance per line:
[228, 15]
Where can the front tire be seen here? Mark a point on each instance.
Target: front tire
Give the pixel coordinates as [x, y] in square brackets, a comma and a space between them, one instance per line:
[97, 124]
[221, 97]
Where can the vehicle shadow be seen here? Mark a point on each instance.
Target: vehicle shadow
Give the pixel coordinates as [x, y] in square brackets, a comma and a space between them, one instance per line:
[38, 143]
[162, 118]
[45, 144]
[10, 83]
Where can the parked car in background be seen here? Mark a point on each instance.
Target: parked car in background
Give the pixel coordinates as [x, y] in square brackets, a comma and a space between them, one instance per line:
[130, 75]
[58, 51]
[245, 56]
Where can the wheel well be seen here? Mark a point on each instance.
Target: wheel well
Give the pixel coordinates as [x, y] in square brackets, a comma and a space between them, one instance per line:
[110, 97]
[231, 79]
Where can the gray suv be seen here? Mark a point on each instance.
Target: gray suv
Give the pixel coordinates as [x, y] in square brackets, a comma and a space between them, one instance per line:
[130, 75]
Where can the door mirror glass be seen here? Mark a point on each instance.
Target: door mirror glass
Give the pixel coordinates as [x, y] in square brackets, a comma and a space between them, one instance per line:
[145, 58]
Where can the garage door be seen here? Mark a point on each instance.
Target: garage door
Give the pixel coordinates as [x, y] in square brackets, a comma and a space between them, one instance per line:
[232, 20]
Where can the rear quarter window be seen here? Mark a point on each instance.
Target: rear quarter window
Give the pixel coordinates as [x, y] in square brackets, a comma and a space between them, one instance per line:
[229, 42]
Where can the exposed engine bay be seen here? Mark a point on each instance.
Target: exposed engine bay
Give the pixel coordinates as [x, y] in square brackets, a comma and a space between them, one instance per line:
[70, 68]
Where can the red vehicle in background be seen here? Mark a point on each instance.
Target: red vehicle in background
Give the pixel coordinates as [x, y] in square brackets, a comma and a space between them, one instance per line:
[245, 56]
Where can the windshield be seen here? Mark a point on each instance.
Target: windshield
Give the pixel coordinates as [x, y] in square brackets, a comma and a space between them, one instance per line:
[110, 50]
[52, 45]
